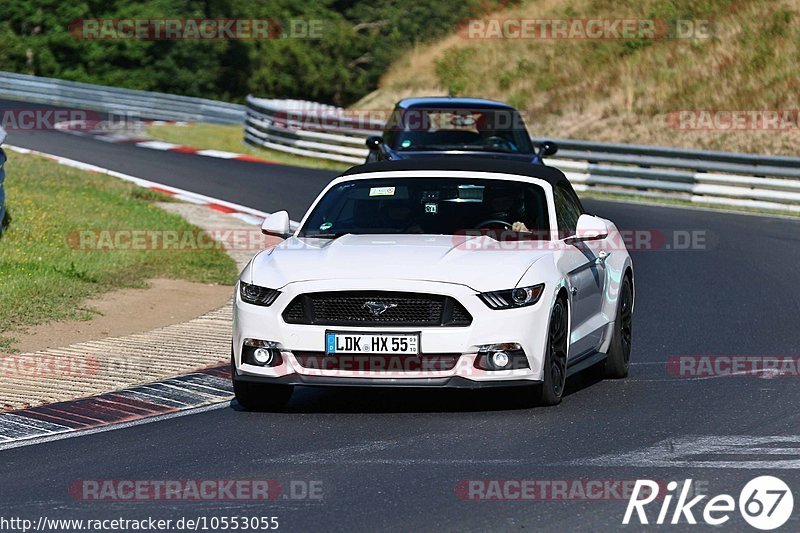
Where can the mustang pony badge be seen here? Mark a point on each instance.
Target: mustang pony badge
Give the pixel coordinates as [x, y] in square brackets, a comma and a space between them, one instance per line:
[377, 308]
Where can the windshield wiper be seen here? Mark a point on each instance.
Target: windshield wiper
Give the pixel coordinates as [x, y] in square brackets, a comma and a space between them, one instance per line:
[463, 147]
[487, 148]
[424, 147]
[324, 235]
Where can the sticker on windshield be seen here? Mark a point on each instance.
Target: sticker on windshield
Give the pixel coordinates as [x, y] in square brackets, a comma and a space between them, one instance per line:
[325, 225]
[381, 191]
[406, 143]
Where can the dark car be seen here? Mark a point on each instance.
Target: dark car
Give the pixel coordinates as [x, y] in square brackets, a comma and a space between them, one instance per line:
[433, 126]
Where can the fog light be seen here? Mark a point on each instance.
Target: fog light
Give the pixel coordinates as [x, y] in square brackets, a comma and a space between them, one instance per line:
[262, 356]
[261, 352]
[501, 356]
[500, 359]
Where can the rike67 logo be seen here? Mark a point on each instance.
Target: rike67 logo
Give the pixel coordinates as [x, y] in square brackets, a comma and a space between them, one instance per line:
[765, 503]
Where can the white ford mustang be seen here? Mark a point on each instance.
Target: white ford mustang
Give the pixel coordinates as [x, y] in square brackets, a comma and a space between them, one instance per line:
[446, 272]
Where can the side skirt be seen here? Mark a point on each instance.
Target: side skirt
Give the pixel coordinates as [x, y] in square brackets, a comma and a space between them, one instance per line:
[584, 361]
[591, 357]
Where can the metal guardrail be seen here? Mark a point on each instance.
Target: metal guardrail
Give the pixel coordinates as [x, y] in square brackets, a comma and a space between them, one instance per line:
[700, 176]
[320, 131]
[144, 104]
[309, 129]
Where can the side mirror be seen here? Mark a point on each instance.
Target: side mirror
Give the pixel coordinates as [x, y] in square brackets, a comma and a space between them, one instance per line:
[590, 228]
[375, 143]
[277, 225]
[547, 148]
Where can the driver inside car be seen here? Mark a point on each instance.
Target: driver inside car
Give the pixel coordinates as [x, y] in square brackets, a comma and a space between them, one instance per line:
[508, 207]
[398, 214]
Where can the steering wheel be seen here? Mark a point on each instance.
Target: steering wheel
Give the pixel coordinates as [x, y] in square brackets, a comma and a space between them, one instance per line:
[494, 222]
[496, 140]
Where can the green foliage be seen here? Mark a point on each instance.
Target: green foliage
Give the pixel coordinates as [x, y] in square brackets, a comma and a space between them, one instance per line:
[453, 70]
[358, 39]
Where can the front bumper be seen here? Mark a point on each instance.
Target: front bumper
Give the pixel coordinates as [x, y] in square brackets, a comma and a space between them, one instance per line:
[454, 382]
[526, 326]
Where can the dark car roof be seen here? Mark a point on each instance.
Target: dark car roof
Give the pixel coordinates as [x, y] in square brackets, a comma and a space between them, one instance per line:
[448, 102]
[483, 164]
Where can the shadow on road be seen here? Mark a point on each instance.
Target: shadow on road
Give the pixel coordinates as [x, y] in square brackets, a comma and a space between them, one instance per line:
[409, 400]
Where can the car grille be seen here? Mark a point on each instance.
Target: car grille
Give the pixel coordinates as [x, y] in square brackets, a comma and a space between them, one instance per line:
[377, 363]
[353, 309]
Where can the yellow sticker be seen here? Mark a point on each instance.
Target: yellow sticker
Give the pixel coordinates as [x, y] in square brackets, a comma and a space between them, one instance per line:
[381, 191]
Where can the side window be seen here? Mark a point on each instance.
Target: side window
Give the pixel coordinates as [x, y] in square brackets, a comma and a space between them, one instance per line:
[579, 206]
[390, 129]
[568, 210]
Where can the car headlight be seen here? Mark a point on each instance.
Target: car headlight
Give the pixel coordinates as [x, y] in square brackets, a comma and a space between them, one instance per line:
[253, 294]
[512, 298]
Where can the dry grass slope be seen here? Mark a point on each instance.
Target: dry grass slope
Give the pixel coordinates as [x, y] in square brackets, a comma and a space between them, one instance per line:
[624, 90]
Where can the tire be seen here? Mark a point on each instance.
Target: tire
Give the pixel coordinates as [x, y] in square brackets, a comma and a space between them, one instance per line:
[619, 353]
[555, 361]
[259, 396]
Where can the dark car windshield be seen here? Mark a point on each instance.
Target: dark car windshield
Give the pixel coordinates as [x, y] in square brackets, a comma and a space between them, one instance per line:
[440, 206]
[491, 130]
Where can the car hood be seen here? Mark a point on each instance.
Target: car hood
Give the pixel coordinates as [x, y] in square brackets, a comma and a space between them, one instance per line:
[477, 262]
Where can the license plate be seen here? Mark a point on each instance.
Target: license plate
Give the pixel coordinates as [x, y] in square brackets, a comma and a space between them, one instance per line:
[373, 343]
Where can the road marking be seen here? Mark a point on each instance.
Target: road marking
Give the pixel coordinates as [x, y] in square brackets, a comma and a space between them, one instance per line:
[720, 451]
[218, 153]
[157, 145]
[142, 141]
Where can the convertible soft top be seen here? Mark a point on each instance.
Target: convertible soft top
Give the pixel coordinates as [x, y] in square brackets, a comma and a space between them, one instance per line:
[475, 164]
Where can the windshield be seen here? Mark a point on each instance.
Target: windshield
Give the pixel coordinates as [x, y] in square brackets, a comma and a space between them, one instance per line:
[440, 206]
[458, 129]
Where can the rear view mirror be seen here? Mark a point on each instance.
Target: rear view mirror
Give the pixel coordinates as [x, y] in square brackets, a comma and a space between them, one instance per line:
[547, 148]
[375, 143]
[277, 225]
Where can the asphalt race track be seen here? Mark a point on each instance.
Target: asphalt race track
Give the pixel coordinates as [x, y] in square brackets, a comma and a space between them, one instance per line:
[397, 460]
[235, 181]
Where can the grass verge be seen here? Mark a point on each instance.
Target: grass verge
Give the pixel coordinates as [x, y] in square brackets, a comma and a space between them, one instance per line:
[229, 138]
[44, 275]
